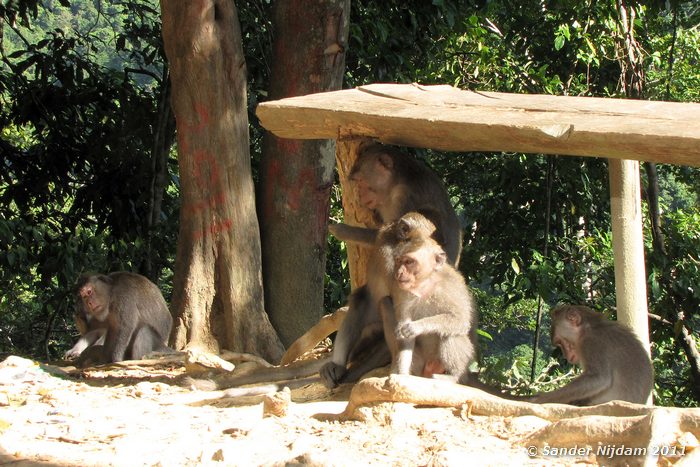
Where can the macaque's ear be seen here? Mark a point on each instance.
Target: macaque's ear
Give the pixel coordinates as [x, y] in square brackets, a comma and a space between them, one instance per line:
[104, 278]
[386, 162]
[402, 229]
[573, 317]
[440, 259]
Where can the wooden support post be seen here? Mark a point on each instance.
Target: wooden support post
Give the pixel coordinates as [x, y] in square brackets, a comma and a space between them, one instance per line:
[628, 247]
[354, 213]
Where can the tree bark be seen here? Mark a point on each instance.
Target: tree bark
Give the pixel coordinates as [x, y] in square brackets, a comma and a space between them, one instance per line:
[218, 294]
[296, 176]
[652, 193]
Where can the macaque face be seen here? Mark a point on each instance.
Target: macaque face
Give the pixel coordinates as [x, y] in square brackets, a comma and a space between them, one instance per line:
[415, 267]
[94, 296]
[566, 334]
[373, 180]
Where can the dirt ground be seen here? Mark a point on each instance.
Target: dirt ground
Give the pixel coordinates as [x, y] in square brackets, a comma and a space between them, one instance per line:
[138, 415]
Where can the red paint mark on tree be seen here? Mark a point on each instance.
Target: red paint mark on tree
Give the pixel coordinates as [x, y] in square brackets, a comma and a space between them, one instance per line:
[214, 228]
[210, 203]
[206, 173]
[203, 115]
[206, 169]
[305, 179]
[289, 146]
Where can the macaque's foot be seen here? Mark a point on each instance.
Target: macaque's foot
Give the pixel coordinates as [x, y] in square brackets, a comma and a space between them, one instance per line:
[331, 374]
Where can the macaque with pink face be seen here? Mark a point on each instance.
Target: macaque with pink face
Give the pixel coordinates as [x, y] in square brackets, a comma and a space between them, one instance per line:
[615, 364]
[129, 311]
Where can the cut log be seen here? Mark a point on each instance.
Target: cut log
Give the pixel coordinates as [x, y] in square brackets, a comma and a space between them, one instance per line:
[449, 119]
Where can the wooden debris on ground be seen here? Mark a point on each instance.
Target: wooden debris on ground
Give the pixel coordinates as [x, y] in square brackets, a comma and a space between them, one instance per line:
[326, 326]
[628, 432]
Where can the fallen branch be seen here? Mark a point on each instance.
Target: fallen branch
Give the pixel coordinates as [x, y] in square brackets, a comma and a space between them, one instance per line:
[629, 433]
[434, 392]
[324, 328]
[244, 357]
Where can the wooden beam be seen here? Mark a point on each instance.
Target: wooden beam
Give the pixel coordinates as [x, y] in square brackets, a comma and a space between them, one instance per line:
[628, 247]
[449, 119]
[353, 211]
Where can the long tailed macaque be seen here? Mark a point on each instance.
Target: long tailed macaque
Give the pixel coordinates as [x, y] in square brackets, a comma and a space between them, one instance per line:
[132, 310]
[92, 332]
[430, 316]
[390, 183]
[615, 364]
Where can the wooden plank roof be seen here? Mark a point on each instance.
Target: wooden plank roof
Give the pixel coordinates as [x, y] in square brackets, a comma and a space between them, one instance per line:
[449, 119]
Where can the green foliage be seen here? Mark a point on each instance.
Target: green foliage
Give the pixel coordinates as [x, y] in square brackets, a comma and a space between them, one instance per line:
[675, 295]
[541, 47]
[337, 280]
[76, 189]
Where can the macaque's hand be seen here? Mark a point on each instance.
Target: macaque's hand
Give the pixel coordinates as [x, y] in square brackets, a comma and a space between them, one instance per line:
[71, 354]
[331, 373]
[408, 330]
[335, 228]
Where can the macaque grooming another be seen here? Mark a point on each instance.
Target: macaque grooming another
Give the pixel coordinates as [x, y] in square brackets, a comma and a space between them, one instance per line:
[430, 316]
[390, 183]
[615, 364]
[131, 309]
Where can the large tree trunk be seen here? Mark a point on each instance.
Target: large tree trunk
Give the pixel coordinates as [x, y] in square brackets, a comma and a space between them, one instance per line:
[218, 295]
[296, 176]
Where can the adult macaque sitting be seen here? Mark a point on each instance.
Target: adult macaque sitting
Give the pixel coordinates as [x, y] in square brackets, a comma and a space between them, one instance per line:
[390, 183]
[132, 311]
[615, 364]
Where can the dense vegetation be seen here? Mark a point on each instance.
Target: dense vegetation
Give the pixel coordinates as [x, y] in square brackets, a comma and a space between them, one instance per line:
[89, 179]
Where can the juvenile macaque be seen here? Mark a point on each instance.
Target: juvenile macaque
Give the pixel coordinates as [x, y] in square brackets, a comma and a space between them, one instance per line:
[390, 183]
[615, 364]
[430, 316]
[133, 312]
[92, 332]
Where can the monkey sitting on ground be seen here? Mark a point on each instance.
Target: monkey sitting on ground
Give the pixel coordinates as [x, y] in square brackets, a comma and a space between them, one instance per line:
[430, 317]
[615, 364]
[390, 183]
[132, 310]
[92, 332]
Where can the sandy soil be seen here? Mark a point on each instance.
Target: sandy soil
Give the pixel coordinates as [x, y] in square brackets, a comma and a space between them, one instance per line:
[137, 415]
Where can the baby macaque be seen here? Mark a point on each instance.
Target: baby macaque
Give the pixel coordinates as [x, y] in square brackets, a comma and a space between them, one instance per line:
[615, 364]
[430, 316]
